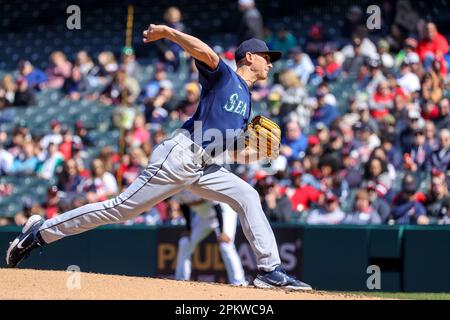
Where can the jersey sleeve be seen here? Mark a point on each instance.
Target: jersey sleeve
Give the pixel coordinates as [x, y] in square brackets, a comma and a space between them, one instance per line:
[209, 77]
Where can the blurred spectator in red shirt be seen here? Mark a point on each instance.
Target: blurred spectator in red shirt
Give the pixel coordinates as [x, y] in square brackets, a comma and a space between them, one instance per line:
[316, 40]
[434, 45]
[69, 142]
[383, 100]
[133, 164]
[140, 134]
[328, 68]
[314, 146]
[304, 195]
[52, 203]
[430, 111]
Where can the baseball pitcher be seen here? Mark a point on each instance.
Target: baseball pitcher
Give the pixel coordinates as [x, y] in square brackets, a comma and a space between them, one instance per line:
[186, 160]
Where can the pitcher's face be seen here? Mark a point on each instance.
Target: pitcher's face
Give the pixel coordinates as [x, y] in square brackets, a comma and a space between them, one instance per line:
[261, 65]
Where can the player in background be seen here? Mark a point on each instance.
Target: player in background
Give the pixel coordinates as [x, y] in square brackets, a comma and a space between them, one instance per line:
[202, 218]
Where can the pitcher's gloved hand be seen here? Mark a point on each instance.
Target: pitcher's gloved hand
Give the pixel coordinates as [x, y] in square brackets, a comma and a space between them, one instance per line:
[264, 135]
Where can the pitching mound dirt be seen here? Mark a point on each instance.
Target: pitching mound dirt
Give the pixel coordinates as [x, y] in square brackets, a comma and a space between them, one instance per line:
[37, 284]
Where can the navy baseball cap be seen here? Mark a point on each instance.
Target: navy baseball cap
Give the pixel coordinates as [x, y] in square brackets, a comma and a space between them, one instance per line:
[254, 45]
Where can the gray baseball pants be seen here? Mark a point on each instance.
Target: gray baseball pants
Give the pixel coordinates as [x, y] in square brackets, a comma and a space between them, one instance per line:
[174, 166]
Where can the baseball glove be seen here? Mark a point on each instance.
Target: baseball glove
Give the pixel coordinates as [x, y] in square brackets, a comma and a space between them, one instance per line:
[264, 135]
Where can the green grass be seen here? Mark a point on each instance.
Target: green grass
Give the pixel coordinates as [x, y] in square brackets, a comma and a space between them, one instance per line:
[405, 295]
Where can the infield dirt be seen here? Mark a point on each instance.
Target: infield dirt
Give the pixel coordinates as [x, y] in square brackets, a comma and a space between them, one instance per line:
[53, 285]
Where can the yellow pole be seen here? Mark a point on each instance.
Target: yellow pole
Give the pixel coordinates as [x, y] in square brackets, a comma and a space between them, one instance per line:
[129, 36]
[128, 43]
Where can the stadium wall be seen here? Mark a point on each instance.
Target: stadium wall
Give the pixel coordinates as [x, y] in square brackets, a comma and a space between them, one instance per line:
[411, 258]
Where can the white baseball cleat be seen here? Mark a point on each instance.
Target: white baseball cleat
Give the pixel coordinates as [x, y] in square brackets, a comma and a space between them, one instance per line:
[29, 239]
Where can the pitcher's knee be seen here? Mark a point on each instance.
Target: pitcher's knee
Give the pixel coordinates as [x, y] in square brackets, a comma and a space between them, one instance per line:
[246, 199]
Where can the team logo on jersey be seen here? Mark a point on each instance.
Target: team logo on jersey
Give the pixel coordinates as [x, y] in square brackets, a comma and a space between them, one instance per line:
[235, 105]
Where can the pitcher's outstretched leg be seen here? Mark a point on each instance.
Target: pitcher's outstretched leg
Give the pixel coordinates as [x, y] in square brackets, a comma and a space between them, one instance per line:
[219, 184]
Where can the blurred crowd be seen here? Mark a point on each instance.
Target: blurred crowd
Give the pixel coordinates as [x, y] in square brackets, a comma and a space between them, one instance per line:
[379, 156]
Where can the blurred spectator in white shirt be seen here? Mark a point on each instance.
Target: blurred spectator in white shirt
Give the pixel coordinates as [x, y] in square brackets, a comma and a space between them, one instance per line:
[408, 80]
[329, 213]
[383, 53]
[301, 64]
[363, 213]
